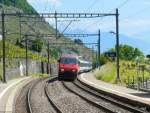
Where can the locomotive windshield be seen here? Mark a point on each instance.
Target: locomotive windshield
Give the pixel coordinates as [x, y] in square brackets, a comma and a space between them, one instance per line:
[68, 61]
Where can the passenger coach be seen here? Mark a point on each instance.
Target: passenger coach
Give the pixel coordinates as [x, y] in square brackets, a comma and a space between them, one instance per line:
[85, 66]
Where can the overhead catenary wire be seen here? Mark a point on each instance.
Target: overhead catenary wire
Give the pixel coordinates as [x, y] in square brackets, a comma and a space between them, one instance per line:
[119, 6]
[123, 4]
[46, 5]
[94, 2]
[135, 14]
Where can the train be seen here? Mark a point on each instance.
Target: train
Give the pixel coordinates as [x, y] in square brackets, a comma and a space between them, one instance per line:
[70, 66]
[85, 66]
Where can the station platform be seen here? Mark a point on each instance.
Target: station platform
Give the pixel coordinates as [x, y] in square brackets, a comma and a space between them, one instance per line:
[8, 93]
[138, 96]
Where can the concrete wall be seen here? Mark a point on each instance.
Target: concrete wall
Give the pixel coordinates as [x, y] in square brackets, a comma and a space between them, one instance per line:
[17, 67]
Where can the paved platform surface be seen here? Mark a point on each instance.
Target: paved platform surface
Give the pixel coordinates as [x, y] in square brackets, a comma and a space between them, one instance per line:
[8, 93]
[140, 96]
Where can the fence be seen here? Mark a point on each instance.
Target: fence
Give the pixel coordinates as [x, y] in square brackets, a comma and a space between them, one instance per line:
[139, 81]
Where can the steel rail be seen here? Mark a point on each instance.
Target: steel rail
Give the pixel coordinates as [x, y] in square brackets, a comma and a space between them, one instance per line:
[58, 110]
[88, 100]
[113, 101]
[29, 106]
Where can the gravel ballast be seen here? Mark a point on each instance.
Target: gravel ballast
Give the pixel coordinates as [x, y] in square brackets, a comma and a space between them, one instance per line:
[39, 101]
[69, 102]
[21, 99]
[96, 99]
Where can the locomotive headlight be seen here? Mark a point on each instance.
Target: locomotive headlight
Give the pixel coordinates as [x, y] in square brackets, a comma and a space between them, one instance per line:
[74, 70]
[62, 70]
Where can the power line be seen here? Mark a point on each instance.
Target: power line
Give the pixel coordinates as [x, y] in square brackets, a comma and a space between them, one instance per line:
[123, 4]
[94, 2]
[46, 5]
[136, 13]
[119, 6]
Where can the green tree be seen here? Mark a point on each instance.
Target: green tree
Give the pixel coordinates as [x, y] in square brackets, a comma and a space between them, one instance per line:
[21, 4]
[103, 60]
[37, 45]
[127, 52]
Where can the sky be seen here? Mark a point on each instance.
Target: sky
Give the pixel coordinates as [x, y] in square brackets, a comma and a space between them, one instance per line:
[134, 16]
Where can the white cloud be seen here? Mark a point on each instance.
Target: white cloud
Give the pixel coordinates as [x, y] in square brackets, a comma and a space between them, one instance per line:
[133, 27]
[146, 2]
[57, 3]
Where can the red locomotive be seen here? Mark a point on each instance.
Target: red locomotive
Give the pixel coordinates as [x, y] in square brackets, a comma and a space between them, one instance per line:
[68, 66]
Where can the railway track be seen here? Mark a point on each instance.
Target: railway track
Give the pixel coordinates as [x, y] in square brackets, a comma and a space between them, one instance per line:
[87, 94]
[88, 100]
[55, 106]
[104, 100]
[29, 103]
[120, 101]
[96, 93]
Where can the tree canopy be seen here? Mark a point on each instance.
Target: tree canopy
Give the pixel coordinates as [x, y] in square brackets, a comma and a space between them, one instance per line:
[127, 52]
[21, 4]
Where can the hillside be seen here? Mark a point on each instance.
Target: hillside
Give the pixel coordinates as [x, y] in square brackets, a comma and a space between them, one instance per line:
[40, 27]
[20, 4]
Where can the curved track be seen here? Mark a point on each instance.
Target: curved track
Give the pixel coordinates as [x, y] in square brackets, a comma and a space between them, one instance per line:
[123, 103]
[88, 94]
[119, 106]
[58, 110]
[88, 100]
[29, 103]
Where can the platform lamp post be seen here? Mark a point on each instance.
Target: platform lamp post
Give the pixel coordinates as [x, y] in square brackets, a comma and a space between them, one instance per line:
[117, 55]
[3, 41]
[56, 33]
[99, 36]
[48, 58]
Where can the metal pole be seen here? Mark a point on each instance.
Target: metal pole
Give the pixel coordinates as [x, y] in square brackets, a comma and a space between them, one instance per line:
[138, 76]
[117, 44]
[3, 39]
[99, 49]
[48, 53]
[143, 74]
[26, 43]
[20, 27]
[96, 59]
[92, 52]
[48, 58]
[56, 23]
[92, 56]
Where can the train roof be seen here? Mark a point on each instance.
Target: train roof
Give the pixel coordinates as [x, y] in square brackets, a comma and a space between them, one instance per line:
[69, 55]
[83, 61]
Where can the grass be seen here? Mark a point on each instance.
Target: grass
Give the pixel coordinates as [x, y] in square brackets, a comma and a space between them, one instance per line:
[13, 51]
[106, 73]
[40, 75]
[128, 70]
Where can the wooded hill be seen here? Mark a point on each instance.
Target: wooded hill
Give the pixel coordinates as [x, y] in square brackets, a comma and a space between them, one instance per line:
[42, 27]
